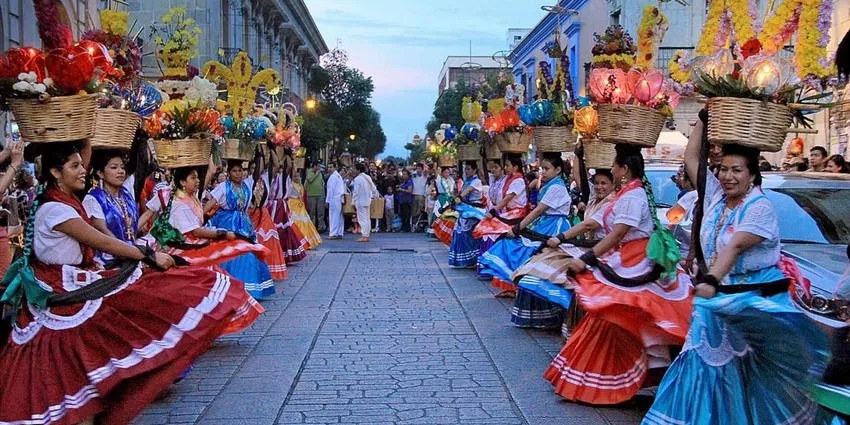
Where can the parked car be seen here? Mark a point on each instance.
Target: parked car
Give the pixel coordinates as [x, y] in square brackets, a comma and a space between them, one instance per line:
[814, 227]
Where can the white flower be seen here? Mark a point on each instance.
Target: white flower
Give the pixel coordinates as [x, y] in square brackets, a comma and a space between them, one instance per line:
[39, 88]
[29, 77]
[203, 91]
[23, 86]
[48, 82]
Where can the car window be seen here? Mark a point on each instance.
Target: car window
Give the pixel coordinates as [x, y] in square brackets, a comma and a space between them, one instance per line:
[811, 214]
[665, 190]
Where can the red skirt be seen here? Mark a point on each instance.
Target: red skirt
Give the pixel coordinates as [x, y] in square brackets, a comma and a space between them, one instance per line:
[112, 356]
[269, 237]
[293, 243]
[443, 229]
[607, 358]
[496, 227]
[503, 285]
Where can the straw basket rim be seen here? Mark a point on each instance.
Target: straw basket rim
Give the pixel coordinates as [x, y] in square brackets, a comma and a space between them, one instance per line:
[491, 150]
[55, 119]
[178, 153]
[114, 128]
[447, 160]
[554, 138]
[630, 124]
[732, 121]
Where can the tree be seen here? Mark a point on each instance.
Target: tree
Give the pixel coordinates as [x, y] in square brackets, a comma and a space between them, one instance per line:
[319, 79]
[395, 160]
[317, 129]
[417, 151]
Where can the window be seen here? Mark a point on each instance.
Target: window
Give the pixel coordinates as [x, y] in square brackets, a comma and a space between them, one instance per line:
[614, 18]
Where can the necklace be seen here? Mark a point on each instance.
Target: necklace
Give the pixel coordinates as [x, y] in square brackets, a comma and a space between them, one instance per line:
[125, 214]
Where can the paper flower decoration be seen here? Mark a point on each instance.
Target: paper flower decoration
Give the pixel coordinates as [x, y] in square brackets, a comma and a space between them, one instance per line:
[586, 121]
[471, 131]
[609, 85]
[242, 84]
[144, 100]
[470, 111]
[644, 85]
[202, 91]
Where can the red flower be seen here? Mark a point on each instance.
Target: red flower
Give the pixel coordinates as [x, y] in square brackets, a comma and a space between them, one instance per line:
[750, 48]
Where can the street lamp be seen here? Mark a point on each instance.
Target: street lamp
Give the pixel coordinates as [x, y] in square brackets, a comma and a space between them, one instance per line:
[310, 103]
[352, 137]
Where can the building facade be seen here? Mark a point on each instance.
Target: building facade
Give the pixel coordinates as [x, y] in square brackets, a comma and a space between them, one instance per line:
[277, 34]
[467, 68]
[17, 19]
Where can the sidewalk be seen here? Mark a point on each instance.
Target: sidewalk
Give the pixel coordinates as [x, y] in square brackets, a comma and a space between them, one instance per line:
[380, 333]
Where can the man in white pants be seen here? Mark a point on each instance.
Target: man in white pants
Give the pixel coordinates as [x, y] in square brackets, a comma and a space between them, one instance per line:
[335, 199]
[364, 191]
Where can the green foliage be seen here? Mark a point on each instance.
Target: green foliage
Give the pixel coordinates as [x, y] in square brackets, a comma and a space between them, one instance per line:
[395, 160]
[418, 151]
[319, 79]
[447, 108]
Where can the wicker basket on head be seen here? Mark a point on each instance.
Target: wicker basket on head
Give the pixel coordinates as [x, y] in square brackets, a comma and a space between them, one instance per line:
[598, 154]
[57, 119]
[631, 124]
[230, 150]
[554, 139]
[114, 128]
[469, 152]
[748, 122]
[300, 162]
[491, 150]
[182, 153]
[447, 160]
[513, 141]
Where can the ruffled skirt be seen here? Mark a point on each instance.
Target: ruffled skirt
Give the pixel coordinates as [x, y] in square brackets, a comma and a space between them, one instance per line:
[507, 255]
[114, 355]
[247, 267]
[293, 243]
[444, 227]
[747, 359]
[464, 249]
[626, 330]
[267, 235]
[301, 219]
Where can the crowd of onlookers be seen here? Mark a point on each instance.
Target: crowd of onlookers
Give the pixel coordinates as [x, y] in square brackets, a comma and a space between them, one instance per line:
[818, 160]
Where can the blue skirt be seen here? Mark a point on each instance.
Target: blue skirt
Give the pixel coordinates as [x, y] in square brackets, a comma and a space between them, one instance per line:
[486, 244]
[508, 255]
[746, 360]
[246, 267]
[464, 249]
[531, 310]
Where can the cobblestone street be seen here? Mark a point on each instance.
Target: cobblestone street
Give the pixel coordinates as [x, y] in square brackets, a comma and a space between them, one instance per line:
[380, 333]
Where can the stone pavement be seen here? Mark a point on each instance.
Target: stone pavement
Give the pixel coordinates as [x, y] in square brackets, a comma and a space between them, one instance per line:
[380, 333]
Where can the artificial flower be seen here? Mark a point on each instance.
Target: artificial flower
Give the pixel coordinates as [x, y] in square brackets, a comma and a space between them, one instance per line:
[651, 31]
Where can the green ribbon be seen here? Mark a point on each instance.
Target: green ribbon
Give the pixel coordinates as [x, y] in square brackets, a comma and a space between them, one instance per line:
[19, 281]
[662, 248]
[164, 233]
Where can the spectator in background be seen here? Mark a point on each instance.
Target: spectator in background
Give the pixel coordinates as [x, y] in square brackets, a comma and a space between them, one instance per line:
[405, 200]
[314, 185]
[420, 184]
[389, 209]
[837, 164]
[764, 164]
[817, 159]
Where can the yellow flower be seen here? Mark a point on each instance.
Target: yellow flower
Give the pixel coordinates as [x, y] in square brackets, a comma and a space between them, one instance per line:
[651, 31]
[114, 21]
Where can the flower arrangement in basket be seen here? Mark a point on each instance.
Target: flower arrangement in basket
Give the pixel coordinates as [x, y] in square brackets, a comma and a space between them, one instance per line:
[177, 40]
[443, 149]
[120, 113]
[242, 84]
[596, 154]
[635, 102]
[287, 132]
[503, 125]
[114, 34]
[53, 93]
[754, 95]
[184, 133]
[551, 116]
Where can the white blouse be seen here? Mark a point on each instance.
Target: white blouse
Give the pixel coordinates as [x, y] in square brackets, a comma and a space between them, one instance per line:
[93, 207]
[518, 188]
[52, 246]
[557, 198]
[631, 209]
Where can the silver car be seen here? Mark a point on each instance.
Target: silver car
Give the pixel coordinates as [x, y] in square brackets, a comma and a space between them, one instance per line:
[814, 225]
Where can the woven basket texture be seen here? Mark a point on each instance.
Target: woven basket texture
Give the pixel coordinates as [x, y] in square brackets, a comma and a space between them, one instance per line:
[58, 119]
[491, 150]
[554, 139]
[598, 154]
[513, 141]
[469, 152]
[631, 124]
[230, 150]
[182, 153]
[748, 122]
[114, 128]
[447, 160]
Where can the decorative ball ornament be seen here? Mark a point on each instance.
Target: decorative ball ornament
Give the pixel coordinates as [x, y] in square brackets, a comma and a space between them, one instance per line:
[451, 133]
[541, 111]
[471, 131]
[509, 117]
[144, 100]
[71, 72]
[494, 125]
[586, 120]
[525, 114]
[718, 65]
[764, 73]
[645, 85]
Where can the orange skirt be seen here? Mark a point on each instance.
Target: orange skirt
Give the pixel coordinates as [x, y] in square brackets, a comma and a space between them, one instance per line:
[443, 229]
[268, 236]
[607, 358]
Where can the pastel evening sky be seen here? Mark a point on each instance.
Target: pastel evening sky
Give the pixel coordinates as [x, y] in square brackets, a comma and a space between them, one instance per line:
[402, 45]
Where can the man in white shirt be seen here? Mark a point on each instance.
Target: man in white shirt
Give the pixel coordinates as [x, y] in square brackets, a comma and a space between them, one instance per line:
[364, 191]
[335, 199]
[420, 181]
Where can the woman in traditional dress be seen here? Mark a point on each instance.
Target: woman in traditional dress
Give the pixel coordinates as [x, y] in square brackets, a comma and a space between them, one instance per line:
[446, 219]
[99, 346]
[298, 211]
[749, 351]
[630, 321]
[542, 297]
[509, 201]
[464, 249]
[110, 204]
[233, 198]
[293, 243]
[550, 217]
[266, 232]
